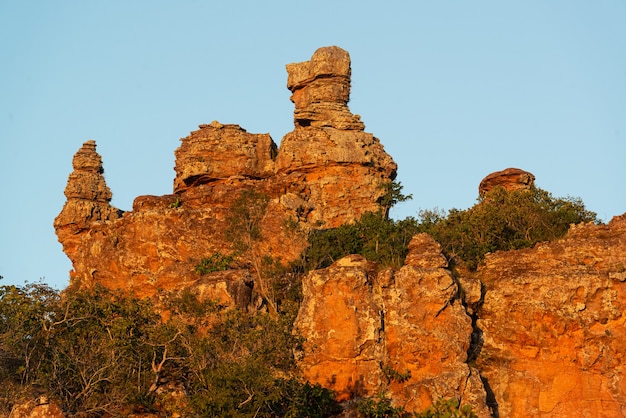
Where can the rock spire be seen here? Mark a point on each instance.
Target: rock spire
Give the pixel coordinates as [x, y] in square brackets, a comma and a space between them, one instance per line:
[88, 196]
[321, 90]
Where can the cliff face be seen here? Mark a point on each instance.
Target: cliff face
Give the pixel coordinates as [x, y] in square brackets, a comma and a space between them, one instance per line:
[552, 325]
[404, 333]
[548, 340]
[534, 332]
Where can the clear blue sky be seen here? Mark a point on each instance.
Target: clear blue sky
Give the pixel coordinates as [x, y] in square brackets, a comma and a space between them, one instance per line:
[453, 89]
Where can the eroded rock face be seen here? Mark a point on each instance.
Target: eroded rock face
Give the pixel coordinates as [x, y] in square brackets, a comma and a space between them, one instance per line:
[41, 407]
[88, 198]
[327, 172]
[340, 167]
[402, 333]
[217, 151]
[554, 341]
[321, 91]
[509, 179]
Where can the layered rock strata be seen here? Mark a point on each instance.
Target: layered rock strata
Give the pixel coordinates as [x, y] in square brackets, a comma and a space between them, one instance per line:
[321, 91]
[88, 198]
[509, 179]
[327, 172]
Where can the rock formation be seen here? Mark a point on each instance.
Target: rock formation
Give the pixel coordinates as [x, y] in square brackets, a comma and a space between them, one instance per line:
[321, 91]
[327, 172]
[509, 179]
[403, 333]
[533, 332]
[88, 198]
[552, 323]
[41, 407]
[217, 152]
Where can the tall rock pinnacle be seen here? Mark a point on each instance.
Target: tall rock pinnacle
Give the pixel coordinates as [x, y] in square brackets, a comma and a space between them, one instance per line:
[343, 166]
[321, 90]
[87, 194]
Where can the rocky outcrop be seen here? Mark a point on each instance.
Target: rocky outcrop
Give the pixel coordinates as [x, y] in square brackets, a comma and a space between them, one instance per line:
[41, 407]
[217, 152]
[321, 91]
[88, 198]
[327, 172]
[341, 168]
[552, 323]
[509, 179]
[544, 327]
[402, 333]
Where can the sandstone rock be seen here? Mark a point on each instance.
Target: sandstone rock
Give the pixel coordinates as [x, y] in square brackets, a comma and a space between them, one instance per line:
[88, 198]
[341, 173]
[41, 407]
[509, 179]
[321, 90]
[554, 341]
[324, 175]
[219, 151]
[342, 167]
[402, 333]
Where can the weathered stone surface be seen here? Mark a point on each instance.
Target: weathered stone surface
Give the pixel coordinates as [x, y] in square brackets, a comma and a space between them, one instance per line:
[341, 172]
[88, 198]
[404, 333]
[217, 151]
[550, 337]
[41, 407]
[323, 175]
[321, 90]
[554, 341]
[509, 179]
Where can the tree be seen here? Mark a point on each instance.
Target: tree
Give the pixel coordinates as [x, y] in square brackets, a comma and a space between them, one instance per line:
[99, 352]
[392, 196]
[244, 231]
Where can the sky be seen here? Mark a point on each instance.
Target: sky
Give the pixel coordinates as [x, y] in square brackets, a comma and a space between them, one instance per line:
[453, 89]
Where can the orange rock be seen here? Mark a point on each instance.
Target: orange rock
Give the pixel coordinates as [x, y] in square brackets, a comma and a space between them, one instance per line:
[404, 333]
[509, 179]
[554, 341]
[324, 175]
[88, 199]
[41, 407]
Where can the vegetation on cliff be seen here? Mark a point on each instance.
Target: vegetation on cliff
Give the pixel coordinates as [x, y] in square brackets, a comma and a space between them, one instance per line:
[501, 220]
[100, 352]
[104, 353]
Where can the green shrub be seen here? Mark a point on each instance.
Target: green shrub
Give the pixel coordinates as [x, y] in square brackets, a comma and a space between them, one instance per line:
[448, 409]
[503, 220]
[216, 262]
[392, 196]
[374, 236]
[379, 407]
[100, 352]
[89, 349]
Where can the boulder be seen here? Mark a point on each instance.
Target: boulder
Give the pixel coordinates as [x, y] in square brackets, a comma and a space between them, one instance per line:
[509, 179]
